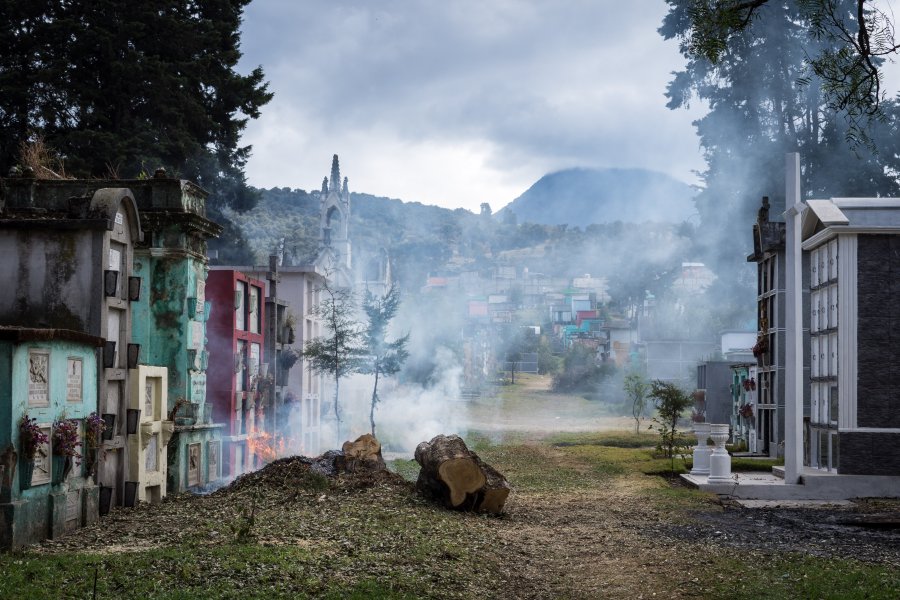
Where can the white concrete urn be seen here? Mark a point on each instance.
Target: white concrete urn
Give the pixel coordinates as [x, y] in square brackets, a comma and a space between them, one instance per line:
[701, 451]
[719, 460]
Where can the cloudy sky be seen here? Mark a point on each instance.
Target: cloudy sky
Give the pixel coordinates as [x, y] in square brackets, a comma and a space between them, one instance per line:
[461, 102]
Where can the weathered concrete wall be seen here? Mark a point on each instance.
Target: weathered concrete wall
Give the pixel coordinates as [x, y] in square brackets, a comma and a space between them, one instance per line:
[53, 276]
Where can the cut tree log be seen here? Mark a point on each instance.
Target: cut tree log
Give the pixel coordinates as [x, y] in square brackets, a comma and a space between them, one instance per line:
[360, 456]
[456, 477]
[363, 454]
[495, 491]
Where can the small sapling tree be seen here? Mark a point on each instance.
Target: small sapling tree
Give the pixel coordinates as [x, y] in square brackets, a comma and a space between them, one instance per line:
[636, 389]
[671, 401]
[340, 352]
[384, 358]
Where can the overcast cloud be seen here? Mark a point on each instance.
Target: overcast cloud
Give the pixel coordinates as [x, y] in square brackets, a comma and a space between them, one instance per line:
[460, 102]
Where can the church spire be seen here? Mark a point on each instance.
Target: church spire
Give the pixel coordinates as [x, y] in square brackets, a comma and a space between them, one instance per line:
[335, 173]
[344, 190]
[324, 188]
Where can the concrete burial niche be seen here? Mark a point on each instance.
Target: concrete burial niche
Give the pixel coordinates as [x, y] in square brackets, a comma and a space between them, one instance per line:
[148, 463]
[55, 372]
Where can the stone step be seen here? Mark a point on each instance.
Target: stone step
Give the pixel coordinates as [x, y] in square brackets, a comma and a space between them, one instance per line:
[778, 471]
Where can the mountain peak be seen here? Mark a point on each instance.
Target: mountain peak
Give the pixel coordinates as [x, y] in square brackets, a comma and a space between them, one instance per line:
[582, 196]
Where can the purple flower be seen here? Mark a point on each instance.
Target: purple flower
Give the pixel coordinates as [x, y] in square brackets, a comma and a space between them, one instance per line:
[65, 438]
[31, 437]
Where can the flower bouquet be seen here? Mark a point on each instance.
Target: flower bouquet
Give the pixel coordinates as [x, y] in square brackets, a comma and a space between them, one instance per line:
[65, 447]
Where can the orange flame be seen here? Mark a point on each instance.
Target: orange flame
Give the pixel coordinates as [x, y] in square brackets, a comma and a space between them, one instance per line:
[264, 447]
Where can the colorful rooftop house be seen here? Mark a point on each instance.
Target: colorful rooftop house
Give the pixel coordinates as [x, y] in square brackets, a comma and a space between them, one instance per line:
[237, 364]
[47, 376]
[66, 249]
[169, 320]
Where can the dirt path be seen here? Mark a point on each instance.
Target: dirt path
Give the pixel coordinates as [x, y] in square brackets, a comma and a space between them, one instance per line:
[604, 538]
[589, 543]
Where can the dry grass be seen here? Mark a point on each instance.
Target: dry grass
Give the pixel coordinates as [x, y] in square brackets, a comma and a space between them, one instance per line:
[44, 161]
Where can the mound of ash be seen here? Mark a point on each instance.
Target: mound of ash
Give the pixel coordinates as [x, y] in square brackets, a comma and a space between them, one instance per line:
[357, 465]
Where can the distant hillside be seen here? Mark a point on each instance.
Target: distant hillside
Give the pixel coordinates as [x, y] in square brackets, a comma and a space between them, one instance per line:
[419, 238]
[605, 210]
[585, 196]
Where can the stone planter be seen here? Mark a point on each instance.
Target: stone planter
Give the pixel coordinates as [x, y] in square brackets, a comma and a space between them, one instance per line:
[105, 499]
[110, 420]
[719, 460]
[91, 458]
[702, 451]
[131, 488]
[62, 466]
[26, 470]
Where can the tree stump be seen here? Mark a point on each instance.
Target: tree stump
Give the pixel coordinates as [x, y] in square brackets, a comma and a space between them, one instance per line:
[457, 478]
[363, 454]
[360, 456]
[495, 491]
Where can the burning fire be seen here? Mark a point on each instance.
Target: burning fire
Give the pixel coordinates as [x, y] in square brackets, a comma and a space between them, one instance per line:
[264, 447]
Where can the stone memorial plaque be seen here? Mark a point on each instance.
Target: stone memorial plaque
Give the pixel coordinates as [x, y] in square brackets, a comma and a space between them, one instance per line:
[73, 379]
[214, 449]
[152, 459]
[196, 335]
[39, 378]
[115, 259]
[201, 294]
[198, 388]
[254, 359]
[194, 464]
[149, 396]
[73, 509]
[43, 460]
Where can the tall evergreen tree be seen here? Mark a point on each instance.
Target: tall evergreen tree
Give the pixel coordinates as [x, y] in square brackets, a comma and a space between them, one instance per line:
[120, 88]
[764, 101]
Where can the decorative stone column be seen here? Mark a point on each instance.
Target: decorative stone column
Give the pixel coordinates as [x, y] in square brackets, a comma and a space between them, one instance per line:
[701, 451]
[719, 460]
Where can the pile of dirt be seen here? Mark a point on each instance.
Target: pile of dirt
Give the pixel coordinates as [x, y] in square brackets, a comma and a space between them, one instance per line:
[299, 475]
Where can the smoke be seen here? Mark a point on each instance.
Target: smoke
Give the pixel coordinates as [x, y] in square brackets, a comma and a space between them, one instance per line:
[408, 412]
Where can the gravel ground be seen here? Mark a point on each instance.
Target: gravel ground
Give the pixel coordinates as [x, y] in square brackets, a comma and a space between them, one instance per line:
[866, 530]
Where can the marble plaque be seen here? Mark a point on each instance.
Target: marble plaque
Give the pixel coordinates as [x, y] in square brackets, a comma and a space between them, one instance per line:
[152, 461]
[194, 464]
[149, 395]
[43, 461]
[73, 379]
[196, 335]
[213, 451]
[38, 378]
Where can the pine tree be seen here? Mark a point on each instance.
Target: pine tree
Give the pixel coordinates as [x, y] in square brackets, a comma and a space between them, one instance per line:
[384, 358]
[121, 88]
[340, 352]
